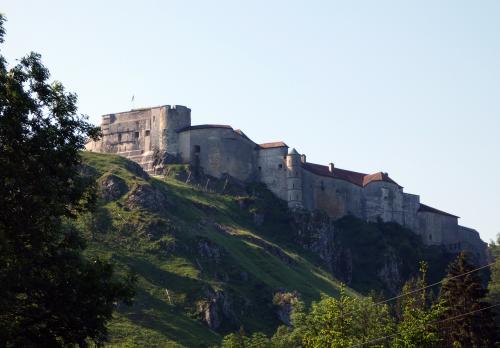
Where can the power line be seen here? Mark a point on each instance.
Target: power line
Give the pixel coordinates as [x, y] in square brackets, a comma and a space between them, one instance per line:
[427, 286]
[434, 284]
[433, 323]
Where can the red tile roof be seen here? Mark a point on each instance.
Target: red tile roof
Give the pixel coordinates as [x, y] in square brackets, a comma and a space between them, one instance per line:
[273, 145]
[427, 209]
[380, 176]
[360, 179]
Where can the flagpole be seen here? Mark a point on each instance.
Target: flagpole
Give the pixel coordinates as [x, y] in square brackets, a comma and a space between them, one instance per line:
[133, 100]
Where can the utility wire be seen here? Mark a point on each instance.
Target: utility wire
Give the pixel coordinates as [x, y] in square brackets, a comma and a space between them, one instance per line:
[427, 286]
[435, 322]
[434, 284]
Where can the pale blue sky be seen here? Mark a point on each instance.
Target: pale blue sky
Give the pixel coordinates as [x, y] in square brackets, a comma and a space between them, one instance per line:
[407, 87]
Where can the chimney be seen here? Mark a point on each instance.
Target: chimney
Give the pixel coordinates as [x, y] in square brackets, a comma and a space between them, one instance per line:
[331, 166]
[303, 158]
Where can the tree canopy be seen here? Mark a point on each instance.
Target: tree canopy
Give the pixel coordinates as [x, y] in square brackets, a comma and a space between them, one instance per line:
[50, 294]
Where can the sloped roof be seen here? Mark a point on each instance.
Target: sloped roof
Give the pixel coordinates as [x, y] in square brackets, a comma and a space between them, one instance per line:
[273, 145]
[428, 209]
[240, 132]
[356, 178]
[204, 126]
[380, 176]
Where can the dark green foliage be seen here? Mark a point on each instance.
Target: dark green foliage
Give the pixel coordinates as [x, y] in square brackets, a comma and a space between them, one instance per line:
[494, 283]
[343, 322]
[49, 295]
[416, 315]
[465, 322]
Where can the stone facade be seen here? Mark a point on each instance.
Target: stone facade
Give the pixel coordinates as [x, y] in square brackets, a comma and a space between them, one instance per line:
[137, 133]
[222, 151]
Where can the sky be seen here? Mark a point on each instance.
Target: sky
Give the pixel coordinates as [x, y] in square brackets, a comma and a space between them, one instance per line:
[411, 88]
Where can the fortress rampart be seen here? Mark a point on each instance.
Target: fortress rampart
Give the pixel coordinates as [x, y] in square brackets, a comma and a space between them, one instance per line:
[220, 150]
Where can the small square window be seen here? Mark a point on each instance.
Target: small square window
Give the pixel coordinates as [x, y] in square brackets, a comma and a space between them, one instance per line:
[136, 134]
[280, 166]
[147, 133]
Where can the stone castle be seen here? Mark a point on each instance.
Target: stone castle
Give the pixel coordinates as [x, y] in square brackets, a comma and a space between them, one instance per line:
[221, 150]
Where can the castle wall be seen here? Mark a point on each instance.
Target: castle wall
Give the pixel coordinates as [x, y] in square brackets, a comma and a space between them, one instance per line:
[411, 204]
[383, 200]
[335, 196]
[271, 167]
[436, 228]
[219, 151]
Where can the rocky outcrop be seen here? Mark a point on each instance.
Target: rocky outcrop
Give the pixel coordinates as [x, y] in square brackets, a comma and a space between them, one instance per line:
[210, 250]
[111, 187]
[390, 273]
[342, 264]
[315, 231]
[136, 169]
[147, 197]
[283, 302]
[216, 309]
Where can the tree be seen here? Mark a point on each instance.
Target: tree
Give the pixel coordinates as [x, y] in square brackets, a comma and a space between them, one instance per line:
[50, 295]
[494, 283]
[239, 340]
[371, 322]
[466, 320]
[345, 322]
[417, 315]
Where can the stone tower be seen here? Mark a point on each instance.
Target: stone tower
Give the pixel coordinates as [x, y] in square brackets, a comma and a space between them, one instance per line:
[294, 179]
[172, 118]
[137, 133]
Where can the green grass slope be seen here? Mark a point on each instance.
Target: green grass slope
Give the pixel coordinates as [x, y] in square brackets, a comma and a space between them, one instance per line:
[194, 252]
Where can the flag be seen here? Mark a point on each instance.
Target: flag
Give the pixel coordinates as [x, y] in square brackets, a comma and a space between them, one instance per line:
[133, 97]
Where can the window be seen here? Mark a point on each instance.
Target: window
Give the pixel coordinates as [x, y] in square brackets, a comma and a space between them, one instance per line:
[119, 138]
[197, 149]
[153, 119]
[260, 169]
[136, 135]
[280, 166]
[430, 236]
[148, 132]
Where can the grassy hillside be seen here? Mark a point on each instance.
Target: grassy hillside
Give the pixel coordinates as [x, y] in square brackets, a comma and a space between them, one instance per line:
[209, 263]
[201, 259]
